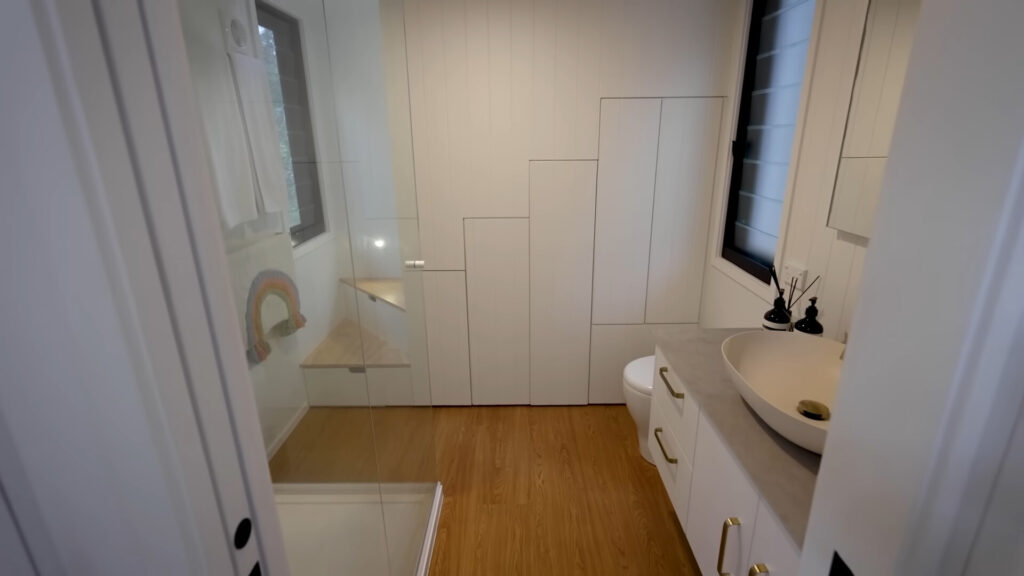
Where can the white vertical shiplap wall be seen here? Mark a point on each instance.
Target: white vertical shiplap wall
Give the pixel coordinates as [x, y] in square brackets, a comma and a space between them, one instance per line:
[612, 346]
[561, 271]
[495, 85]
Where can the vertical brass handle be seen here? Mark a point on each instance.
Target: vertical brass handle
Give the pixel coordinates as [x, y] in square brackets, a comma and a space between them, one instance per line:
[729, 523]
[671, 390]
[758, 569]
[657, 436]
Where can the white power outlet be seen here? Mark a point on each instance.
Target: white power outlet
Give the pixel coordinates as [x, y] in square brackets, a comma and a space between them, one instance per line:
[790, 271]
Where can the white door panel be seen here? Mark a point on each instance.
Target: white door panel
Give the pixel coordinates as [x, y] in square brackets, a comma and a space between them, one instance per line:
[498, 296]
[625, 199]
[561, 271]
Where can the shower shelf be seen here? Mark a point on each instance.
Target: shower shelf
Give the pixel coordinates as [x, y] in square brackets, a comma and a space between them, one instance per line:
[345, 345]
[387, 290]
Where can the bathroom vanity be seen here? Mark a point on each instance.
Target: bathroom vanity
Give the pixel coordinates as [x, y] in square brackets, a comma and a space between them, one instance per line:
[740, 490]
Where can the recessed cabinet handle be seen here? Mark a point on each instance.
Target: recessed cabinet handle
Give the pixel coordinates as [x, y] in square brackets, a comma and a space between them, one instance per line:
[729, 523]
[661, 372]
[657, 436]
[758, 569]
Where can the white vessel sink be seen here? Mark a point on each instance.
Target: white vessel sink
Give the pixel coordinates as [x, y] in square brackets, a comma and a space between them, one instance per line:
[775, 371]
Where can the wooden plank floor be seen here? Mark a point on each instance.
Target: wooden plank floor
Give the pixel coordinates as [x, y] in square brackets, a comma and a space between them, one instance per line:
[382, 444]
[551, 490]
[528, 490]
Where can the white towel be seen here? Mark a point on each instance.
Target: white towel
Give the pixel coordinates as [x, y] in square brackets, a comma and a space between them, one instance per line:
[264, 146]
[222, 118]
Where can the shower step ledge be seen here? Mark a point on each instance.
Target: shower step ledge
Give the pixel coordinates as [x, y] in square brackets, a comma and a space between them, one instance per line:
[388, 290]
[348, 346]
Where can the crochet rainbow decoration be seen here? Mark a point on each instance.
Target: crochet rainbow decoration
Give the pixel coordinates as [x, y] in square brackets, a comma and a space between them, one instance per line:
[268, 283]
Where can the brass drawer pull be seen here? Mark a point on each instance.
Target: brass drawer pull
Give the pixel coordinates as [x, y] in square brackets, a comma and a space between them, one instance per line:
[758, 569]
[729, 523]
[661, 372]
[657, 436]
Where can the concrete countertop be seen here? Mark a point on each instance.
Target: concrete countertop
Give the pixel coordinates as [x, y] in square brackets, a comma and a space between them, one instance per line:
[782, 472]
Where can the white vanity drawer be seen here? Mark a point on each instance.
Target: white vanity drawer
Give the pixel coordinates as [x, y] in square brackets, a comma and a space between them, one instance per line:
[681, 413]
[676, 475]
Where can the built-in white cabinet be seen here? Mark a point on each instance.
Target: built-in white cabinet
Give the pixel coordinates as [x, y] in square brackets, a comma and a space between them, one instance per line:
[561, 271]
[723, 508]
[673, 434]
[674, 399]
[498, 300]
[627, 163]
[684, 183]
[673, 465]
[729, 526]
[654, 186]
[772, 547]
[655, 180]
[885, 51]
[444, 293]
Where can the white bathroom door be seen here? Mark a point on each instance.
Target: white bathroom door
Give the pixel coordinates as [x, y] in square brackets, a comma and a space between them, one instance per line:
[127, 432]
[145, 51]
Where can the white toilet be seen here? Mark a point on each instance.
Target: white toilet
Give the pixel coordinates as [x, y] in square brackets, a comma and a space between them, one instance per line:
[637, 384]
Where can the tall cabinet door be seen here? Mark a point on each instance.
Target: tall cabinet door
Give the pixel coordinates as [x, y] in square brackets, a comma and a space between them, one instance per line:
[725, 493]
[625, 200]
[498, 300]
[561, 271]
[687, 147]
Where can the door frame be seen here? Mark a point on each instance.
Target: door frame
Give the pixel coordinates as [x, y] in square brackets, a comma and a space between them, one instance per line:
[983, 409]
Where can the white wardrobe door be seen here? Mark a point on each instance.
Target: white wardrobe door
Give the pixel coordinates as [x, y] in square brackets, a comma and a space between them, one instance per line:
[444, 295]
[561, 271]
[688, 143]
[625, 198]
[498, 292]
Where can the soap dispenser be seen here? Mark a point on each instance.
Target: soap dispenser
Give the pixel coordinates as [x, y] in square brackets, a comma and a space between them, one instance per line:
[809, 323]
[777, 319]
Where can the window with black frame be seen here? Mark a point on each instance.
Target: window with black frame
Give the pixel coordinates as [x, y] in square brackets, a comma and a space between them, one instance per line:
[282, 55]
[773, 74]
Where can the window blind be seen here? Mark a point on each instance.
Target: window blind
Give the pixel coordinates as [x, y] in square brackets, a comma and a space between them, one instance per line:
[779, 34]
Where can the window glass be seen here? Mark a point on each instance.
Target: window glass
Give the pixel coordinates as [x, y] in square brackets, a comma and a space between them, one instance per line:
[282, 55]
[780, 31]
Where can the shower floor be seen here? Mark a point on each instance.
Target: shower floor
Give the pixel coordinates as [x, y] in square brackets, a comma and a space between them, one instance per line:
[384, 445]
[352, 528]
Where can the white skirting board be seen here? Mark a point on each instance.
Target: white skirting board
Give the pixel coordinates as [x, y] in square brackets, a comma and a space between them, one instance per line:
[431, 534]
[276, 444]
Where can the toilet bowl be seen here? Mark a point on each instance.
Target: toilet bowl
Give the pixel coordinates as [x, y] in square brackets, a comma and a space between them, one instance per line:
[637, 384]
